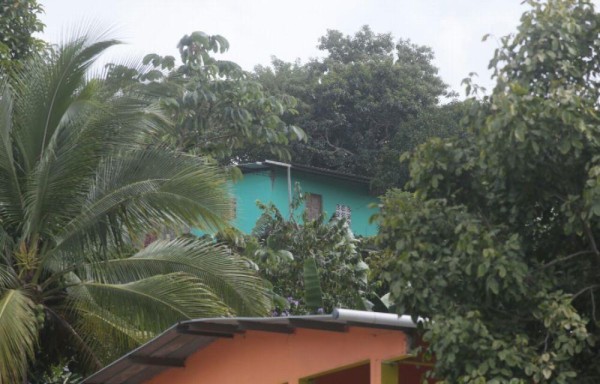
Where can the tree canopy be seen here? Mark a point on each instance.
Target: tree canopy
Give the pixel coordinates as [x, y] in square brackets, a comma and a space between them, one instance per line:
[495, 245]
[218, 110]
[18, 23]
[369, 99]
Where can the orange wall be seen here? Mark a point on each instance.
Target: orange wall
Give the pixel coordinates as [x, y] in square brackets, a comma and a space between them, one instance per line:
[272, 358]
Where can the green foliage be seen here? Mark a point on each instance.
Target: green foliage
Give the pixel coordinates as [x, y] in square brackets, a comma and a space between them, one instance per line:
[80, 186]
[369, 100]
[313, 267]
[496, 247]
[18, 23]
[217, 109]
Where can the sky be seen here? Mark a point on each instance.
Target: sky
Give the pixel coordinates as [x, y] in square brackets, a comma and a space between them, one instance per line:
[289, 30]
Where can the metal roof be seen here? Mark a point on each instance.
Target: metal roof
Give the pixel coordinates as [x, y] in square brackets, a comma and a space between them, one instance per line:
[268, 164]
[172, 347]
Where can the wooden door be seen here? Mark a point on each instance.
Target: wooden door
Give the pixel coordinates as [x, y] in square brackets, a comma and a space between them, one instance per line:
[314, 206]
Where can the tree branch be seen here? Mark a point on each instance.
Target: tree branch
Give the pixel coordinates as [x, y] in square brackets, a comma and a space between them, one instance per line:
[590, 235]
[566, 258]
[335, 146]
[593, 306]
[591, 287]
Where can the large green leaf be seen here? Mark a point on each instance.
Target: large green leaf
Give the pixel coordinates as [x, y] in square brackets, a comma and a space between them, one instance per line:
[312, 285]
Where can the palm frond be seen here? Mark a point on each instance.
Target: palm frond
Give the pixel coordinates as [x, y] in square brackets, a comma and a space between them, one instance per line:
[92, 128]
[47, 89]
[87, 356]
[8, 279]
[18, 335]
[141, 190]
[11, 203]
[108, 335]
[154, 303]
[227, 275]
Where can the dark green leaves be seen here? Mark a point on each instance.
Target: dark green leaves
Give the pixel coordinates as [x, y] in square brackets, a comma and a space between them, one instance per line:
[368, 101]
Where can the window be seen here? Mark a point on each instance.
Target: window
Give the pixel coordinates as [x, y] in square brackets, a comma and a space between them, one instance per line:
[343, 212]
[314, 206]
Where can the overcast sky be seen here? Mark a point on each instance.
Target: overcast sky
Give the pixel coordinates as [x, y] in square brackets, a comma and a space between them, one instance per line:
[259, 29]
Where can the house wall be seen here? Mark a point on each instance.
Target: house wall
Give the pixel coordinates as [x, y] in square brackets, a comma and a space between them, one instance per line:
[271, 186]
[275, 358]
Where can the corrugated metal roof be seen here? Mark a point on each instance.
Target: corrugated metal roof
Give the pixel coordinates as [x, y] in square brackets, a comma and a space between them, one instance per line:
[175, 345]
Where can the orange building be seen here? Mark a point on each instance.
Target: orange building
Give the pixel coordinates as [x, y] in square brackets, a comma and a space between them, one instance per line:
[348, 347]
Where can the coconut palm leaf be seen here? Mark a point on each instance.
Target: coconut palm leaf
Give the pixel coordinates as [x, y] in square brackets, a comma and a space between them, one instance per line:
[159, 301]
[138, 189]
[18, 332]
[225, 274]
[46, 92]
[7, 277]
[11, 205]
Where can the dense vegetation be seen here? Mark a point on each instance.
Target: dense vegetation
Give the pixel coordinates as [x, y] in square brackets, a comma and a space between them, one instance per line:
[496, 247]
[81, 183]
[313, 266]
[493, 240]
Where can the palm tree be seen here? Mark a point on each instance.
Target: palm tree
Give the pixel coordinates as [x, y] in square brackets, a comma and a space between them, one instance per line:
[79, 184]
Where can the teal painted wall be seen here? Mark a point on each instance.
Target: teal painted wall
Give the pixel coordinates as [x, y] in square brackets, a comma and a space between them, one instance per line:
[271, 186]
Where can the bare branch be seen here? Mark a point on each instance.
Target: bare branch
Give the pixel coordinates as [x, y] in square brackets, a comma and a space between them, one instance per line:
[566, 258]
[593, 306]
[591, 287]
[335, 146]
[590, 235]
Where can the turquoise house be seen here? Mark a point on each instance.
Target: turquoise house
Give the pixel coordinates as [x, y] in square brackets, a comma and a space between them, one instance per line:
[334, 193]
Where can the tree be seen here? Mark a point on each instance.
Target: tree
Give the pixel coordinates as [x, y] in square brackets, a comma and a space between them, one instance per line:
[217, 109]
[496, 244]
[18, 23]
[360, 103]
[80, 185]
